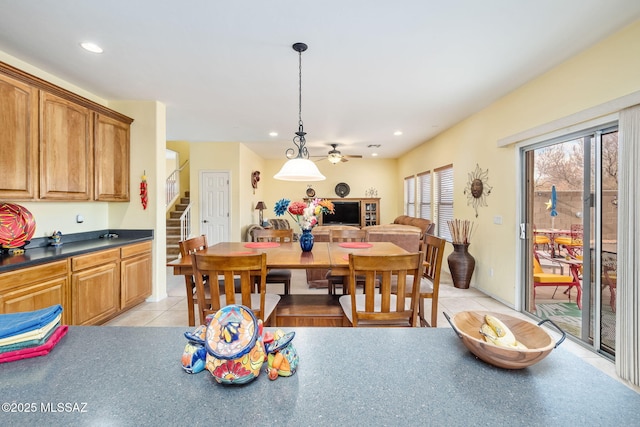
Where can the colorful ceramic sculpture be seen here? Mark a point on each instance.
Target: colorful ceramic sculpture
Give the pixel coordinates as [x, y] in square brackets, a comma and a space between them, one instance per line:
[283, 357]
[235, 351]
[16, 225]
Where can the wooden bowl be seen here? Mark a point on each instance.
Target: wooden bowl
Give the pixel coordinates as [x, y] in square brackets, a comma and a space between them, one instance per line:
[539, 343]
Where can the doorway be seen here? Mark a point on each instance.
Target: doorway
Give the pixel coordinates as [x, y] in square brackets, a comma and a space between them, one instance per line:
[569, 250]
[214, 206]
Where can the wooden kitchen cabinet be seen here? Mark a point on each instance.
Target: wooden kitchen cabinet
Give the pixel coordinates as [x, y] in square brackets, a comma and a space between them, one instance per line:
[111, 147]
[135, 274]
[56, 145]
[18, 139]
[95, 287]
[66, 149]
[34, 288]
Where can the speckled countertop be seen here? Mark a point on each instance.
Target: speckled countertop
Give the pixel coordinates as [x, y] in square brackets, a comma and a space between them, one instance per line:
[39, 250]
[365, 376]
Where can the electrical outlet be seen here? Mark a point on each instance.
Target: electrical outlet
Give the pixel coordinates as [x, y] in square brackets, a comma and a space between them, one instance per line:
[497, 220]
[491, 272]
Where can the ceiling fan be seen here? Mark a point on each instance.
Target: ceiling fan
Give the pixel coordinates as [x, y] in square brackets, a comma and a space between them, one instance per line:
[335, 156]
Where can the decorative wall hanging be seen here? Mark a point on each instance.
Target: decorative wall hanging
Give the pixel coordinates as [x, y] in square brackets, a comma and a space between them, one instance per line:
[255, 178]
[144, 196]
[477, 188]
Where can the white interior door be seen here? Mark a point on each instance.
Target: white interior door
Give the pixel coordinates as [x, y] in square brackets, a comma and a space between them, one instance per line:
[214, 206]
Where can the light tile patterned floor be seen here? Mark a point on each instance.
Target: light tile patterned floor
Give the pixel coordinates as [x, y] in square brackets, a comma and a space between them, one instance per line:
[172, 311]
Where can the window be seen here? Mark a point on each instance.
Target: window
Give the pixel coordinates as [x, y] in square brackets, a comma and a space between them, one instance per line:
[424, 191]
[410, 196]
[444, 200]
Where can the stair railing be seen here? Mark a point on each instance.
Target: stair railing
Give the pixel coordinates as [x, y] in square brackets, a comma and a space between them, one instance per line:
[185, 223]
[172, 186]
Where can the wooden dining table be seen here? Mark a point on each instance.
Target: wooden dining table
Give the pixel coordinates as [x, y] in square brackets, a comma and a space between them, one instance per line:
[290, 256]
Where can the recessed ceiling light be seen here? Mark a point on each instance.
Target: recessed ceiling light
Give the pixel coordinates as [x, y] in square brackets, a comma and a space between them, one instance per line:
[91, 47]
[374, 154]
[398, 133]
[273, 133]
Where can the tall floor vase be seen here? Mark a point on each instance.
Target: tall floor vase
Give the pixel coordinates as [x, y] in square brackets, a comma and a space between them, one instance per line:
[461, 265]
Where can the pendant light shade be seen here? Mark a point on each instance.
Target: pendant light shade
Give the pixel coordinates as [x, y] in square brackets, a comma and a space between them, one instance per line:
[299, 167]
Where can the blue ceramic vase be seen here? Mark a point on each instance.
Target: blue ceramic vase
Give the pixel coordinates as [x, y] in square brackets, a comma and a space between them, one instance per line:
[306, 241]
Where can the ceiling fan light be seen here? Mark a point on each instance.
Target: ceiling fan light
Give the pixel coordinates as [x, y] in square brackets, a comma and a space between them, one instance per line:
[334, 158]
[299, 169]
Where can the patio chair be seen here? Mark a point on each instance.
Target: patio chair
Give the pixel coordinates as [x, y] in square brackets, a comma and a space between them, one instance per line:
[540, 278]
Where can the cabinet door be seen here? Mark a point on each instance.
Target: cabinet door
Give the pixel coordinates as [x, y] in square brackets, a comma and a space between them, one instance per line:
[136, 279]
[95, 294]
[111, 159]
[36, 297]
[18, 139]
[66, 149]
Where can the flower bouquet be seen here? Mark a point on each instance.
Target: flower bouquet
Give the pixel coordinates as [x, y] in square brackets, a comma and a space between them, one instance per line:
[305, 215]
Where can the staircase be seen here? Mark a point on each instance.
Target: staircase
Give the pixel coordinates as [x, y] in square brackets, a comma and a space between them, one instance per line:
[173, 227]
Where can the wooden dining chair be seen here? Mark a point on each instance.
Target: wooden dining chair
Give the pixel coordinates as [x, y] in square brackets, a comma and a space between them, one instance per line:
[187, 247]
[383, 308]
[233, 268]
[343, 235]
[433, 249]
[276, 235]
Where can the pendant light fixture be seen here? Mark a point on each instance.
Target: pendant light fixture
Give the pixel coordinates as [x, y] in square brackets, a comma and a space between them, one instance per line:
[299, 167]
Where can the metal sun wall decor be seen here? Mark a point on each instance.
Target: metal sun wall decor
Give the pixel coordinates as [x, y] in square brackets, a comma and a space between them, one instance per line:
[477, 188]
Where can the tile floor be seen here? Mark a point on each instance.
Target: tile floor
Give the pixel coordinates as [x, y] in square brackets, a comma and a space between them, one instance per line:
[172, 311]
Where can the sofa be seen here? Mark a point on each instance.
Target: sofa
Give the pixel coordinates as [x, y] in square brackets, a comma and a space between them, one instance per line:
[425, 225]
[276, 224]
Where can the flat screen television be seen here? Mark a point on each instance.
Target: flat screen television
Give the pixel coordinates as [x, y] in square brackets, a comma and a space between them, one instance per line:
[346, 213]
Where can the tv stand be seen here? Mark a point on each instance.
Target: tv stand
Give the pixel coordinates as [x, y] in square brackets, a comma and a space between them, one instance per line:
[369, 210]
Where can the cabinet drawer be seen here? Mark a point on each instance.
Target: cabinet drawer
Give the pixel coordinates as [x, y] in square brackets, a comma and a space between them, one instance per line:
[96, 258]
[135, 249]
[29, 275]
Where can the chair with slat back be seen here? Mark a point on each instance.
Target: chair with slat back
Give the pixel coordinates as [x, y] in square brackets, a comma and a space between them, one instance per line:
[430, 282]
[245, 269]
[343, 235]
[281, 236]
[383, 308]
[433, 249]
[187, 247]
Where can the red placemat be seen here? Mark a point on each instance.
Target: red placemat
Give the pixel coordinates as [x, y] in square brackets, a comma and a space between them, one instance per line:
[262, 245]
[355, 245]
[345, 257]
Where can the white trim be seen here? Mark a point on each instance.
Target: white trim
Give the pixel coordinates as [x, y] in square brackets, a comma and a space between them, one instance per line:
[593, 116]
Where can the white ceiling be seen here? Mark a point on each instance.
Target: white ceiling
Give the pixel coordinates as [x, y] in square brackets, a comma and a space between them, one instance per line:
[226, 70]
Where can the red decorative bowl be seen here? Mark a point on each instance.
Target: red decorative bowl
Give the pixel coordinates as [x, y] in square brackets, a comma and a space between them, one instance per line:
[16, 225]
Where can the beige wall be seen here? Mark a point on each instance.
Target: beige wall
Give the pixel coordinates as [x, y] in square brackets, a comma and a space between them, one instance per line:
[609, 70]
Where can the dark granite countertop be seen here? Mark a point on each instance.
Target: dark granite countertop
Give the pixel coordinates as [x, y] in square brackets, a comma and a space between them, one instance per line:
[39, 250]
[347, 376]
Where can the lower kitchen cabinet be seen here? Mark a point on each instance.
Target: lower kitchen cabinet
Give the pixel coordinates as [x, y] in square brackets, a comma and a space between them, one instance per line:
[34, 288]
[135, 274]
[95, 287]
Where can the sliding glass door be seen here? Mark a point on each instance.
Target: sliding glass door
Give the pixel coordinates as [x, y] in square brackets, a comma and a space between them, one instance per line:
[569, 231]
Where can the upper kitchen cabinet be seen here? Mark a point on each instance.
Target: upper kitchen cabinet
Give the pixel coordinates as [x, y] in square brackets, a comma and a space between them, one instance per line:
[56, 145]
[66, 149]
[111, 148]
[18, 139]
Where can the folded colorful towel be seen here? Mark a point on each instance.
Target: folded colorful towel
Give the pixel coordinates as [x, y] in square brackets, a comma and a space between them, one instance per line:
[17, 323]
[40, 350]
[29, 343]
[32, 334]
